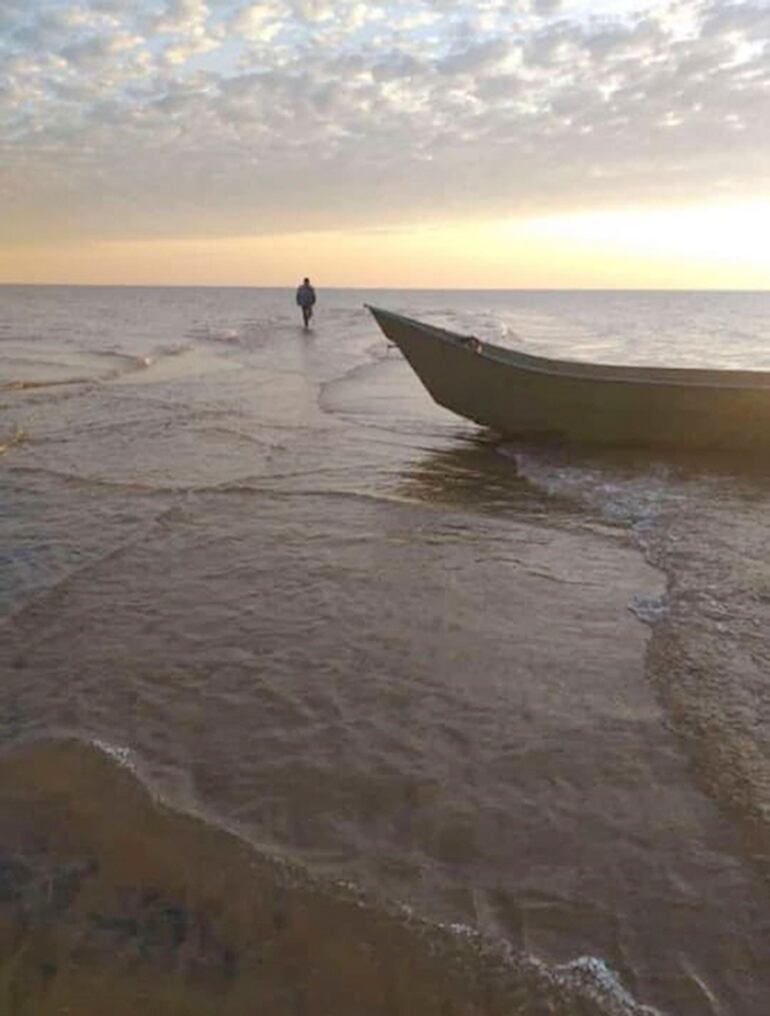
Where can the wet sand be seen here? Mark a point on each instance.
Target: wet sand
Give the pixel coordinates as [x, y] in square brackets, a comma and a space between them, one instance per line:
[136, 909]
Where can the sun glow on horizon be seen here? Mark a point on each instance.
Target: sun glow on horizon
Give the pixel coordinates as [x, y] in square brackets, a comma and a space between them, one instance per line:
[735, 232]
[713, 247]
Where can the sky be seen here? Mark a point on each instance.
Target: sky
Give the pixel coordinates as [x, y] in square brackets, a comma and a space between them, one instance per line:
[499, 143]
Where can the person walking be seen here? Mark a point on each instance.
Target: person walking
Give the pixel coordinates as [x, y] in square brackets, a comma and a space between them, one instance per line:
[305, 300]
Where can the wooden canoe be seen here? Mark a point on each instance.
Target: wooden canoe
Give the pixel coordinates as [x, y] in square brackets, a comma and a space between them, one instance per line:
[517, 394]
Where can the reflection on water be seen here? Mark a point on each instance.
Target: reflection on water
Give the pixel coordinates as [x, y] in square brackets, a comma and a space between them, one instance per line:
[471, 475]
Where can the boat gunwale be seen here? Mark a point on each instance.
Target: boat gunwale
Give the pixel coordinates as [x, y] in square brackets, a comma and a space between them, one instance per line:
[575, 370]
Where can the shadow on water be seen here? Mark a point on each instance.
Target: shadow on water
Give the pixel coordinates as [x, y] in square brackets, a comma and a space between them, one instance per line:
[475, 476]
[490, 475]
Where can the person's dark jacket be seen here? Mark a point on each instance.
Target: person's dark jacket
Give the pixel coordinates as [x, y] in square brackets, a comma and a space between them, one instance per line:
[305, 296]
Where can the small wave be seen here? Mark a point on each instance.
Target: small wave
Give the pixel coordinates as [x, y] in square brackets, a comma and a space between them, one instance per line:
[23, 385]
[140, 361]
[171, 349]
[105, 482]
[116, 354]
[208, 334]
[134, 364]
[143, 361]
[129, 364]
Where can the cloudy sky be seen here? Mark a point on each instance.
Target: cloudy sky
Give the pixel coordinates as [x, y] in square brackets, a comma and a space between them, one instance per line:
[213, 132]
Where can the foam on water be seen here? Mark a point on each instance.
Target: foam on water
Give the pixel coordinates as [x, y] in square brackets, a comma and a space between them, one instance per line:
[651, 610]
[120, 754]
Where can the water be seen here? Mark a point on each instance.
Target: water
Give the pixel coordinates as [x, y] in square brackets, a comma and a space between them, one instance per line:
[319, 699]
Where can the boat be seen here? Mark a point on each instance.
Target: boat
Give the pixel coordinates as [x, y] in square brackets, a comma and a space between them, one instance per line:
[520, 395]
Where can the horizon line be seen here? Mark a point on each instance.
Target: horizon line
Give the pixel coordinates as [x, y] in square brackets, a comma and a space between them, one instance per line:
[387, 289]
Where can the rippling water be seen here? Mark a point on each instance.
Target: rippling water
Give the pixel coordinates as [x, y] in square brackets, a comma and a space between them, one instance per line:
[317, 699]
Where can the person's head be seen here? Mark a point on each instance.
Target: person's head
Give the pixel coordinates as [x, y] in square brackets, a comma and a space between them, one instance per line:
[306, 282]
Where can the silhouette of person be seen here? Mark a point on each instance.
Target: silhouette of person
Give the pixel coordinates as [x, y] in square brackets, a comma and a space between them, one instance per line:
[305, 300]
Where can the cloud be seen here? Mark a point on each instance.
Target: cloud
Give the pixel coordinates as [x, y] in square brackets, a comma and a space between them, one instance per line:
[546, 7]
[142, 118]
[98, 49]
[191, 30]
[257, 21]
[475, 58]
[397, 64]
[184, 17]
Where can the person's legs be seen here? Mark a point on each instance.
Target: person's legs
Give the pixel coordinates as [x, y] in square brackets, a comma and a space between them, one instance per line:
[307, 313]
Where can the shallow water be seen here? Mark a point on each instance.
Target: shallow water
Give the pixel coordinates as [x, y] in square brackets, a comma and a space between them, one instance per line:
[502, 689]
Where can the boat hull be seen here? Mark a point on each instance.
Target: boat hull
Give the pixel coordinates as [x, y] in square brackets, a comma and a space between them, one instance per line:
[519, 395]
